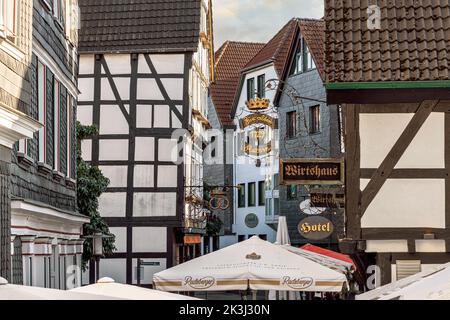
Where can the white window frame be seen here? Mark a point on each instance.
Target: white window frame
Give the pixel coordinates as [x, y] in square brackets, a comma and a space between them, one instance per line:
[8, 28]
[56, 124]
[60, 12]
[69, 137]
[42, 102]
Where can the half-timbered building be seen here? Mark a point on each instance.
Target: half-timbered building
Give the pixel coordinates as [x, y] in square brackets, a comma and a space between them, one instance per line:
[388, 66]
[45, 228]
[145, 69]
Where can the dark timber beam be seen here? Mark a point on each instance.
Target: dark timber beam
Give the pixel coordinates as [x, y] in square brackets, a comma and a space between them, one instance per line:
[352, 171]
[447, 178]
[384, 171]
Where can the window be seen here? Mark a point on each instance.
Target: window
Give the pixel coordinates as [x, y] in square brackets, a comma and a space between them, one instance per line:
[261, 193]
[241, 237]
[59, 11]
[303, 60]
[55, 138]
[9, 19]
[30, 274]
[291, 192]
[250, 88]
[241, 195]
[314, 119]
[263, 236]
[291, 124]
[262, 86]
[251, 194]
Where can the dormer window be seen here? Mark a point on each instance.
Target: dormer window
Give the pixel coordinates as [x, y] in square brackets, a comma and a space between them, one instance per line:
[303, 60]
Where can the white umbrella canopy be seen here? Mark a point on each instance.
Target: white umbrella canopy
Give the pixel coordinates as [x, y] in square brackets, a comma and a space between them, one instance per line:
[108, 287]
[254, 264]
[432, 284]
[19, 292]
[282, 231]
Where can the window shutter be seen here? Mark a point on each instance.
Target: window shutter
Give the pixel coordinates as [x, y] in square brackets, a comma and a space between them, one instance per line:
[49, 119]
[73, 138]
[406, 268]
[63, 129]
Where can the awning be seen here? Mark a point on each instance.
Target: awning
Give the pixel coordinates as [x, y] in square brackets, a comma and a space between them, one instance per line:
[329, 253]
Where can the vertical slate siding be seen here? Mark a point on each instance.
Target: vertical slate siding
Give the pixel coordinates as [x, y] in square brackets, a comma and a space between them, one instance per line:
[50, 121]
[308, 85]
[33, 144]
[63, 130]
[25, 181]
[49, 34]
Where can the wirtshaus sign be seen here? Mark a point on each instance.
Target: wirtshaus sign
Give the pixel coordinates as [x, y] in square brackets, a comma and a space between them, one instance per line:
[312, 171]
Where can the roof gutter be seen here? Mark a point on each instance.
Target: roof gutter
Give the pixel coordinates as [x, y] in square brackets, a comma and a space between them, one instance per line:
[388, 85]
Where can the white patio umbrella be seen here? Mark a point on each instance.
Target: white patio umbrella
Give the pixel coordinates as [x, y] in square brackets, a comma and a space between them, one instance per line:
[282, 239]
[431, 284]
[20, 292]
[108, 287]
[254, 264]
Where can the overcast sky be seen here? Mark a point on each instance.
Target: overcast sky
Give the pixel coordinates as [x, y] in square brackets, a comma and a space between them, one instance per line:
[258, 20]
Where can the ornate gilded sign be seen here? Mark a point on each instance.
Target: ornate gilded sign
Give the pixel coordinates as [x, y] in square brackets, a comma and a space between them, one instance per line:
[315, 228]
[327, 200]
[258, 118]
[312, 171]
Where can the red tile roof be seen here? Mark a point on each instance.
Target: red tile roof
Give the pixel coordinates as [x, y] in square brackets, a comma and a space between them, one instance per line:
[277, 49]
[412, 43]
[230, 58]
[313, 31]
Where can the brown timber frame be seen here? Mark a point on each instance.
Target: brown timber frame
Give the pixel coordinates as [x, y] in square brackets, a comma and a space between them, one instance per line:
[357, 201]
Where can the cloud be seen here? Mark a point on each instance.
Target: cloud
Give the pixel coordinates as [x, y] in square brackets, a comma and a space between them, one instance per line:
[258, 20]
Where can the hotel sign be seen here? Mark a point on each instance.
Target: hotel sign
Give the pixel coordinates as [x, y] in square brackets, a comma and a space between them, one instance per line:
[312, 171]
[315, 228]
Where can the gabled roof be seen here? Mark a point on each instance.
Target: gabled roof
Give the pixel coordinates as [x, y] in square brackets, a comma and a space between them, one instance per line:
[412, 43]
[231, 57]
[276, 50]
[139, 25]
[313, 31]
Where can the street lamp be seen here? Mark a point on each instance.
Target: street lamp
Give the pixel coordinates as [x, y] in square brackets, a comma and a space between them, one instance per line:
[97, 250]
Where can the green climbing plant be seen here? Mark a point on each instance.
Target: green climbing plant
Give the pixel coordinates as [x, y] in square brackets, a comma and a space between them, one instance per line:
[91, 183]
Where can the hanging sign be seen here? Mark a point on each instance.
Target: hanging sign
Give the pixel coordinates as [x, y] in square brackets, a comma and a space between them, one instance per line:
[315, 228]
[258, 118]
[327, 200]
[311, 171]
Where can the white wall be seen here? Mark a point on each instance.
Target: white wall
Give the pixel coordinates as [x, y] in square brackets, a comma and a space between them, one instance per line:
[245, 170]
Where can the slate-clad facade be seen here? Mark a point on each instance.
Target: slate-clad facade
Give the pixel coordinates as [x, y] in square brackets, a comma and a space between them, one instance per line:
[297, 138]
[145, 69]
[45, 227]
